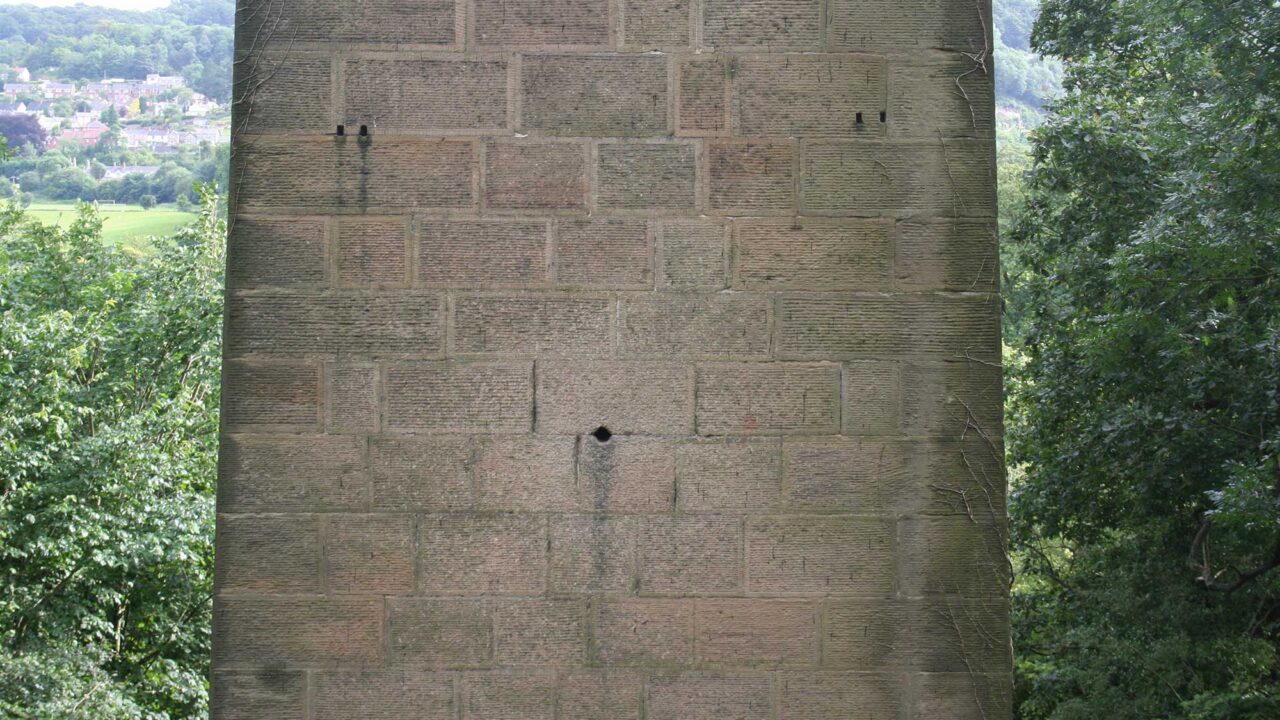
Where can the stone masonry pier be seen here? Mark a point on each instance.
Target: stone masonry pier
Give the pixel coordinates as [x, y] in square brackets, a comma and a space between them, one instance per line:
[612, 360]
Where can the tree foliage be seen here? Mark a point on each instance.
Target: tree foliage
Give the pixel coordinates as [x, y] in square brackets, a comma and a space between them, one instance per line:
[73, 173]
[20, 129]
[1146, 412]
[108, 429]
[1022, 76]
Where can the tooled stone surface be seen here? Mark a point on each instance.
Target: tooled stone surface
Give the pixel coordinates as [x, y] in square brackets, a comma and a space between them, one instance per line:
[749, 242]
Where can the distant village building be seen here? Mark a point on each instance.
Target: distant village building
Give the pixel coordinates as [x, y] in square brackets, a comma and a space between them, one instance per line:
[132, 99]
[58, 89]
[200, 106]
[120, 93]
[164, 82]
[206, 134]
[139, 136]
[86, 136]
[115, 172]
[125, 92]
[14, 89]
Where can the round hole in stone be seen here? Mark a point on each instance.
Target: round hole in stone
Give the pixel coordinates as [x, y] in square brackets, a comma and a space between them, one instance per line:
[602, 434]
[364, 131]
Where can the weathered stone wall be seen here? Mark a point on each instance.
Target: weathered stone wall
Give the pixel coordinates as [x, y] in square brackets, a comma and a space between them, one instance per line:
[752, 239]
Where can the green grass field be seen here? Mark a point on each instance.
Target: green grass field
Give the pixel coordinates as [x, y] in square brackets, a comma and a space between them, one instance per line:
[127, 225]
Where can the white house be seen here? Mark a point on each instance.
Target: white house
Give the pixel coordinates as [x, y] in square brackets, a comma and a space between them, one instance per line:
[201, 107]
[16, 88]
[59, 89]
[115, 172]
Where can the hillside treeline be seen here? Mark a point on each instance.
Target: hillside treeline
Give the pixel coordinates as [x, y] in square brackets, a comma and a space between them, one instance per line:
[192, 38]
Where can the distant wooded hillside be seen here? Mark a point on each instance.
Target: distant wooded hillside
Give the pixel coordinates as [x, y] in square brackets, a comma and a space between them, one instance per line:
[1022, 76]
[192, 38]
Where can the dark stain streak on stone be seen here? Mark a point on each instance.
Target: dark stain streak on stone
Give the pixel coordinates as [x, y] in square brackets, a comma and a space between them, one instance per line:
[363, 142]
[599, 463]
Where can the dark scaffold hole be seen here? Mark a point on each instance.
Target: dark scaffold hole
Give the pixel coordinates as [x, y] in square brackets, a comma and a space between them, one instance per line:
[342, 130]
[884, 116]
[602, 434]
[364, 131]
[857, 118]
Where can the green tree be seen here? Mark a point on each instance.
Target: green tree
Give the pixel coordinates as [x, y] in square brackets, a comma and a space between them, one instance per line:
[110, 117]
[1013, 159]
[108, 434]
[169, 182]
[216, 168]
[1145, 414]
[69, 184]
[29, 181]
